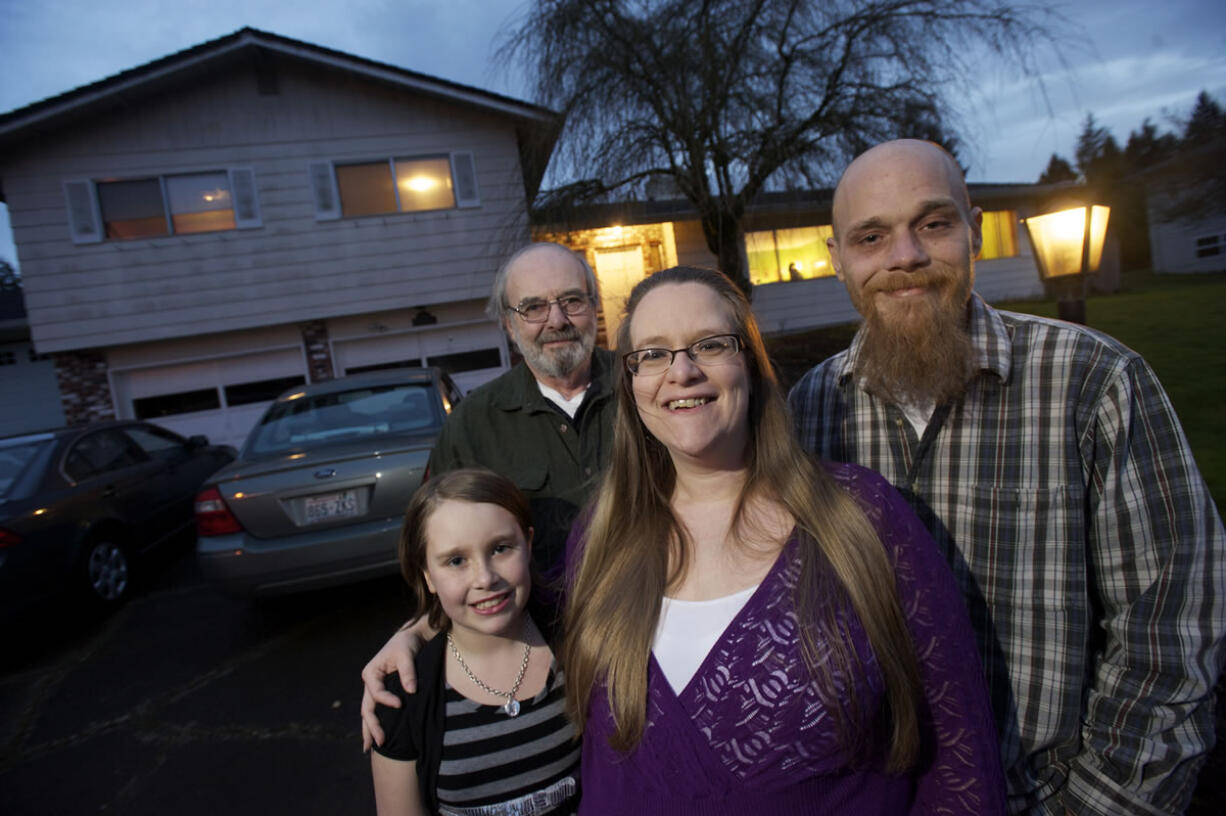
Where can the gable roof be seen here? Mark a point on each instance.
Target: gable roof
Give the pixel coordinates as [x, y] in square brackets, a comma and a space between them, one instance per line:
[537, 126]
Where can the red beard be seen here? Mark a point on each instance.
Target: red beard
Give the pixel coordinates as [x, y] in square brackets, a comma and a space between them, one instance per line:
[916, 350]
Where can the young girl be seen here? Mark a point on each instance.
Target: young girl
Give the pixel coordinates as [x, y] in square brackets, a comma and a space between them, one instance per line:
[486, 731]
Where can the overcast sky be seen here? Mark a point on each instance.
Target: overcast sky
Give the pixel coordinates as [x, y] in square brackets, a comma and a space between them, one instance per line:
[1137, 58]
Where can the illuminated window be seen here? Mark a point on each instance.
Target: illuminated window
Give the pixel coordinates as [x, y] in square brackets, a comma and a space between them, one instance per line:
[200, 203]
[419, 184]
[415, 184]
[788, 254]
[123, 209]
[133, 209]
[999, 235]
[366, 189]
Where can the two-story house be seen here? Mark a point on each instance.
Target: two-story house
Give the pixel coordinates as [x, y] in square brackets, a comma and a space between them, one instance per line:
[202, 232]
[199, 233]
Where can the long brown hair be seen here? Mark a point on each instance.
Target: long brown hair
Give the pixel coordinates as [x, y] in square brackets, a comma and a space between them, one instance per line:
[633, 535]
[473, 485]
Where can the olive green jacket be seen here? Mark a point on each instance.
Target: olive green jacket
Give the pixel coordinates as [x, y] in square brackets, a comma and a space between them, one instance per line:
[508, 426]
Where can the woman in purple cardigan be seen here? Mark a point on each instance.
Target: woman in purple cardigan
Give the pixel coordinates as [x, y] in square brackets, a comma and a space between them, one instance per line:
[746, 630]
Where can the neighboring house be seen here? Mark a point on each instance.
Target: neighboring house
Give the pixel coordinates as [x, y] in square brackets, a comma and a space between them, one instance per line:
[1185, 203]
[794, 287]
[29, 392]
[202, 232]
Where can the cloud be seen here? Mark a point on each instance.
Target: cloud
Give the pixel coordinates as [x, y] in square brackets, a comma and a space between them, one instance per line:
[1021, 122]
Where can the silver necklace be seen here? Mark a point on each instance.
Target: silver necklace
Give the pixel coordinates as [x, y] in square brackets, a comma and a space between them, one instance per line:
[511, 706]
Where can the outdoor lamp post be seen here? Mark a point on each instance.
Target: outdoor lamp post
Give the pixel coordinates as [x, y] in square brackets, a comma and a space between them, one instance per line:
[1068, 246]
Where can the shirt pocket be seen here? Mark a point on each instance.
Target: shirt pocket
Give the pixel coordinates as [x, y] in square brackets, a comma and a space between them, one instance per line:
[530, 477]
[1025, 549]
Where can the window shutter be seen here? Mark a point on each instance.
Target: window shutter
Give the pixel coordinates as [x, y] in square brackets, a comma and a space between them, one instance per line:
[245, 198]
[323, 188]
[464, 176]
[84, 217]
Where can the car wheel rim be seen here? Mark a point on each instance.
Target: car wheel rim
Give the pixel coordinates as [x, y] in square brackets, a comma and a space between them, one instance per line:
[108, 571]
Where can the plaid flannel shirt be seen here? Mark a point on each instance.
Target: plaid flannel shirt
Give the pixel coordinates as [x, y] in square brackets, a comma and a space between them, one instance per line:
[1063, 494]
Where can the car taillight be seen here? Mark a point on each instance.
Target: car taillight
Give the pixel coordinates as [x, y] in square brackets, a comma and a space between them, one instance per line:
[213, 518]
[8, 539]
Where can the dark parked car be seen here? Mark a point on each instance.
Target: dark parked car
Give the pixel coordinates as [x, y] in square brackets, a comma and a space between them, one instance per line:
[77, 505]
[318, 492]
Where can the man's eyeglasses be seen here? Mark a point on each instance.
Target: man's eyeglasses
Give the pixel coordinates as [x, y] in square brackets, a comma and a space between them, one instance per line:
[713, 350]
[537, 311]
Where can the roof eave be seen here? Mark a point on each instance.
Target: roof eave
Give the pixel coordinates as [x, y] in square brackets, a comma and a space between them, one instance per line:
[32, 119]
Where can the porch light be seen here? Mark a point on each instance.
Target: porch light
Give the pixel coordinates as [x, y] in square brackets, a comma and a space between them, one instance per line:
[1068, 246]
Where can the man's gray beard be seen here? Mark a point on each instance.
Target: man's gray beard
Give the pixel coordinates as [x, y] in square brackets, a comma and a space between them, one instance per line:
[926, 358]
[560, 362]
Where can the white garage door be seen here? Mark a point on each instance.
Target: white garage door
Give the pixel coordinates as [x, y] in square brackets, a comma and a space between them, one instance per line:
[221, 398]
[471, 354]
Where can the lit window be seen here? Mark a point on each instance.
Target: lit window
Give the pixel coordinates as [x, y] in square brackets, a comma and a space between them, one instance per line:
[366, 189]
[121, 209]
[132, 209]
[420, 184]
[200, 203]
[424, 184]
[788, 254]
[999, 235]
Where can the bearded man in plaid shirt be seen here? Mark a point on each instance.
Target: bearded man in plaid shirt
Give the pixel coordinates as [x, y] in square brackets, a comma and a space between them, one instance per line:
[1050, 467]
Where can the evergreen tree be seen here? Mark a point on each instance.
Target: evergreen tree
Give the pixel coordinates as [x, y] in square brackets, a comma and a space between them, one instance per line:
[1058, 169]
[1098, 156]
[1146, 148]
[1206, 124]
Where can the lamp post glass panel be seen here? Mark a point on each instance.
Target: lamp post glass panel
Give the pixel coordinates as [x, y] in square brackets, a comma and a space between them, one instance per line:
[1068, 246]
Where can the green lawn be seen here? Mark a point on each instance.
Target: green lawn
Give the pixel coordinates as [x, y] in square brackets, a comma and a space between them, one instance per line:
[1178, 323]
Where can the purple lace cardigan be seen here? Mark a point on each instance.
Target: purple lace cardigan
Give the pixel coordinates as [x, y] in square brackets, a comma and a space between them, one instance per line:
[749, 733]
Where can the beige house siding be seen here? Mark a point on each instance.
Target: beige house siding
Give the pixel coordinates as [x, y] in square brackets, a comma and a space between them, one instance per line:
[293, 268]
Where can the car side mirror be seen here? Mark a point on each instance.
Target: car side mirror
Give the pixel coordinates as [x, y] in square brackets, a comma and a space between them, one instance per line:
[197, 441]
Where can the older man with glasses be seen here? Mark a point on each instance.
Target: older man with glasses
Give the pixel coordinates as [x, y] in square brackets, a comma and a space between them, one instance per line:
[547, 424]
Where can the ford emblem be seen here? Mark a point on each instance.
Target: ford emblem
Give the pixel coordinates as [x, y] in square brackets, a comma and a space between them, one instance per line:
[325, 474]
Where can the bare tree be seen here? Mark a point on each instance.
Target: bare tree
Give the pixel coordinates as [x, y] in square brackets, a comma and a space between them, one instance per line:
[728, 98]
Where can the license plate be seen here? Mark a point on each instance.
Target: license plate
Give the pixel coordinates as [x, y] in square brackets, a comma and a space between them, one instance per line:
[331, 506]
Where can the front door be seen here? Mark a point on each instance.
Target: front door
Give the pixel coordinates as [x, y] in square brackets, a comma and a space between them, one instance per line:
[618, 270]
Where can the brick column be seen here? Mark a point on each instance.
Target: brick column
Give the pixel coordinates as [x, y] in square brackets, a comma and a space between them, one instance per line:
[319, 354]
[85, 392]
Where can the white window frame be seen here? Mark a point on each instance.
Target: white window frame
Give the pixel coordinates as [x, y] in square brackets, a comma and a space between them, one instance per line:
[325, 193]
[1212, 245]
[85, 222]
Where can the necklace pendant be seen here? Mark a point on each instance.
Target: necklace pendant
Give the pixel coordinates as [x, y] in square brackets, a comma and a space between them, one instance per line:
[511, 707]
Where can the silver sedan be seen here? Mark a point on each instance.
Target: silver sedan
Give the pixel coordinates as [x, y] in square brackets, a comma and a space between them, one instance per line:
[317, 494]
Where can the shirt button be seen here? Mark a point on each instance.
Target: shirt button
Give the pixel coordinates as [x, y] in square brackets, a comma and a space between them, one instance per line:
[588, 471]
[915, 487]
[898, 422]
[562, 427]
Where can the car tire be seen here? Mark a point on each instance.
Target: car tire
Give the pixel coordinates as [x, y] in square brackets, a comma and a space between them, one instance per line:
[106, 570]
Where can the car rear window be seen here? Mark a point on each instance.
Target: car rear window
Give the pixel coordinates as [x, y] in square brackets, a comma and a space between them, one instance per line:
[309, 421]
[15, 458]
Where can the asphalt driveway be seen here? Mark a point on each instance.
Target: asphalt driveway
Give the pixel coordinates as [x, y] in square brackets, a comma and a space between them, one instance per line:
[188, 702]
